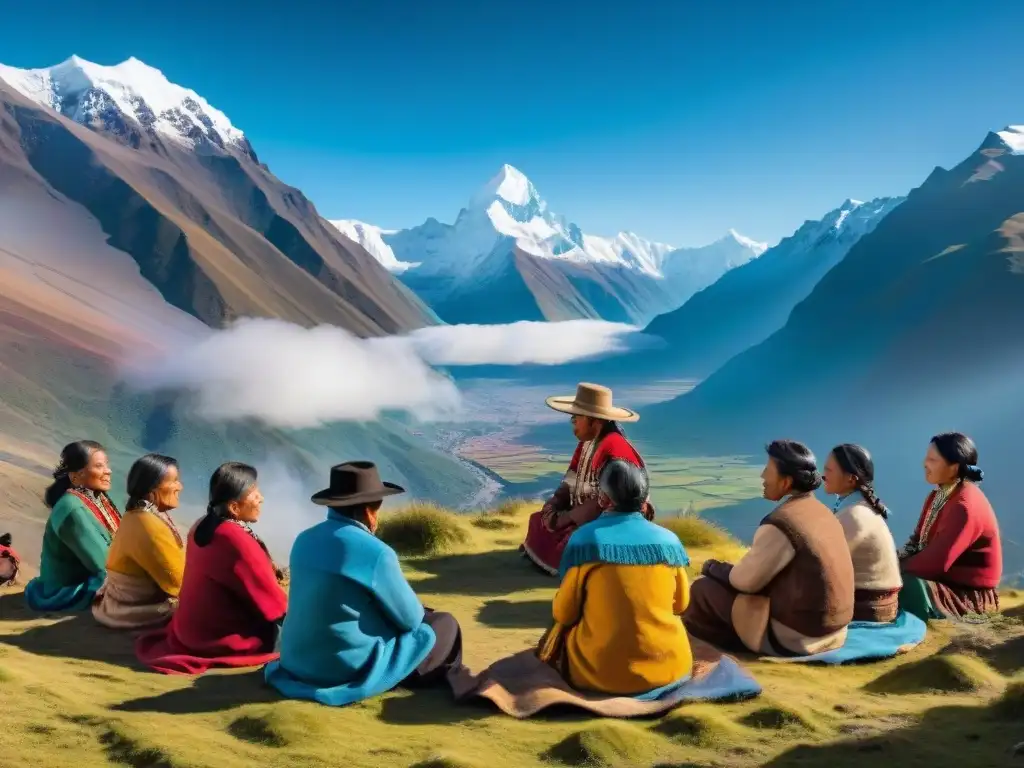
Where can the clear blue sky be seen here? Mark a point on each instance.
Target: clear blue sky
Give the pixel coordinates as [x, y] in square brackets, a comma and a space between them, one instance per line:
[673, 119]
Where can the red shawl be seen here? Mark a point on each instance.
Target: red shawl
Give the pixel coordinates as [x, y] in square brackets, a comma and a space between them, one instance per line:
[544, 546]
[614, 445]
[228, 608]
[963, 546]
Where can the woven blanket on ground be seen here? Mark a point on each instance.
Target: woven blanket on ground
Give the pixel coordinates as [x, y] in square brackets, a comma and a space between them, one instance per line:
[521, 686]
[132, 602]
[869, 641]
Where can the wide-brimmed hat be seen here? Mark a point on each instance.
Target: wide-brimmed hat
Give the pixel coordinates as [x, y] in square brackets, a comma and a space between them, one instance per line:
[594, 401]
[355, 482]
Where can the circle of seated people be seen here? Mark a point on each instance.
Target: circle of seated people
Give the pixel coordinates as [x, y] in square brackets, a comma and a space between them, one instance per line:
[342, 623]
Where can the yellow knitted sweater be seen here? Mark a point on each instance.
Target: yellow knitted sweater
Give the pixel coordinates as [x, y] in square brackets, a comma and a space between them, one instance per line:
[145, 545]
[626, 635]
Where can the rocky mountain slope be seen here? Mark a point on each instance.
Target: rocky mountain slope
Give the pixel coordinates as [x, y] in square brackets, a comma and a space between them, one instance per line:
[133, 218]
[176, 186]
[747, 304]
[915, 331]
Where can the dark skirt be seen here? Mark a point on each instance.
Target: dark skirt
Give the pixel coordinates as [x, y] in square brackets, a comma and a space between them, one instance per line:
[876, 605]
[446, 655]
[545, 547]
[708, 617]
[937, 600]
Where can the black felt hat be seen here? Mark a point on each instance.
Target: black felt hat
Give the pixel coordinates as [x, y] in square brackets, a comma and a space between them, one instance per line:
[355, 482]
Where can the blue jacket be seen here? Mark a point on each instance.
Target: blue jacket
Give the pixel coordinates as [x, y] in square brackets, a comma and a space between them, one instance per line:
[354, 627]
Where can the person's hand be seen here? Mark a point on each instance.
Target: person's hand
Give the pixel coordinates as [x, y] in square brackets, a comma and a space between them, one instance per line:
[562, 521]
[283, 576]
[551, 521]
[705, 570]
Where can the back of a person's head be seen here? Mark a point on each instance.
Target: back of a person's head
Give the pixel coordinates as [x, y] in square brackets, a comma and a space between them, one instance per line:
[625, 484]
[797, 462]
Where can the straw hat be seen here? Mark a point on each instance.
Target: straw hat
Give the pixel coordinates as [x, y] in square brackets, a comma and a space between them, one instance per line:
[594, 401]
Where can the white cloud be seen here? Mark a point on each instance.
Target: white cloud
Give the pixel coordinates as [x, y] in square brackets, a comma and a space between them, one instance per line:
[289, 376]
[520, 343]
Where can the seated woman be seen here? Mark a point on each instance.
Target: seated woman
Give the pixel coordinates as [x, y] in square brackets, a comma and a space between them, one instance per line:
[850, 472]
[791, 594]
[231, 603]
[355, 628]
[78, 531]
[147, 556]
[10, 563]
[624, 587]
[953, 562]
[594, 423]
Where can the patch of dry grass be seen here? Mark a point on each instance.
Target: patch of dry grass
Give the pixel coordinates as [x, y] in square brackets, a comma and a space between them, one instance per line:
[697, 533]
[423, 529]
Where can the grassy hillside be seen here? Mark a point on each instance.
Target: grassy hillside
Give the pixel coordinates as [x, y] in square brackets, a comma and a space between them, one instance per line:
[74, 695]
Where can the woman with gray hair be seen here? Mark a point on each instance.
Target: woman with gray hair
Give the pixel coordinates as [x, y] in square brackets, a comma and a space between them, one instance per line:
[617, 627]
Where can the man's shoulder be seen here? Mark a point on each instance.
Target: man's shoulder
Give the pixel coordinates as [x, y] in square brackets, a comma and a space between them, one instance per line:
[333, 535]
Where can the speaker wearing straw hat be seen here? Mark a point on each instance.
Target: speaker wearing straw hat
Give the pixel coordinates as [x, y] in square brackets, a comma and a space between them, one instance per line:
[595, 423]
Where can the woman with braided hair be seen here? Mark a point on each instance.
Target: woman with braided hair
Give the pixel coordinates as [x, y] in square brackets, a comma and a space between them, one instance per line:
[953, 562]
[850, 475]
[78, 532]
[147, 556]
[231, 604]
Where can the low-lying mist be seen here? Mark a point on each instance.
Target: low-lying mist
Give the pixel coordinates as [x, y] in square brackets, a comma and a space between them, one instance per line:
[284, 375]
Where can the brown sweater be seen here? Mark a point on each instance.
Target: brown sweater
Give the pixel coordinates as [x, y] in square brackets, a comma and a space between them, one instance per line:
[813, 594]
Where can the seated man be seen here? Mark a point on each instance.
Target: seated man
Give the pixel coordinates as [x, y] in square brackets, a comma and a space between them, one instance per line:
[355, 628]
[792, 593]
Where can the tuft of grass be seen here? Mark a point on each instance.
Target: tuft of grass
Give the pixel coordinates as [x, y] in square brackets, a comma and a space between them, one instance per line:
[516, 507]
[281, 724]
[492, 523]
[1010, 706]
[607, 745]
[947, 673]
[122, 749]
[778, 717]
[696, 532]
[423, 529]
[446, 760]
[5, 676]
[257, 730]
[698, 727]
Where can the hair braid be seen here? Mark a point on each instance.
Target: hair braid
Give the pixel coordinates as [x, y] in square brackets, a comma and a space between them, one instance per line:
[868, 492]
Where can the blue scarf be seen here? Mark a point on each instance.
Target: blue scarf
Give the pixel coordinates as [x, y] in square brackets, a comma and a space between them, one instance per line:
[623, 538]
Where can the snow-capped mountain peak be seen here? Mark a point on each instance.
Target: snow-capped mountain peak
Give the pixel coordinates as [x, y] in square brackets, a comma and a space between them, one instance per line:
[755, 247]
[372, 239]
[1013, 137]
[509, 184]
[98, 95]
[507, 216]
